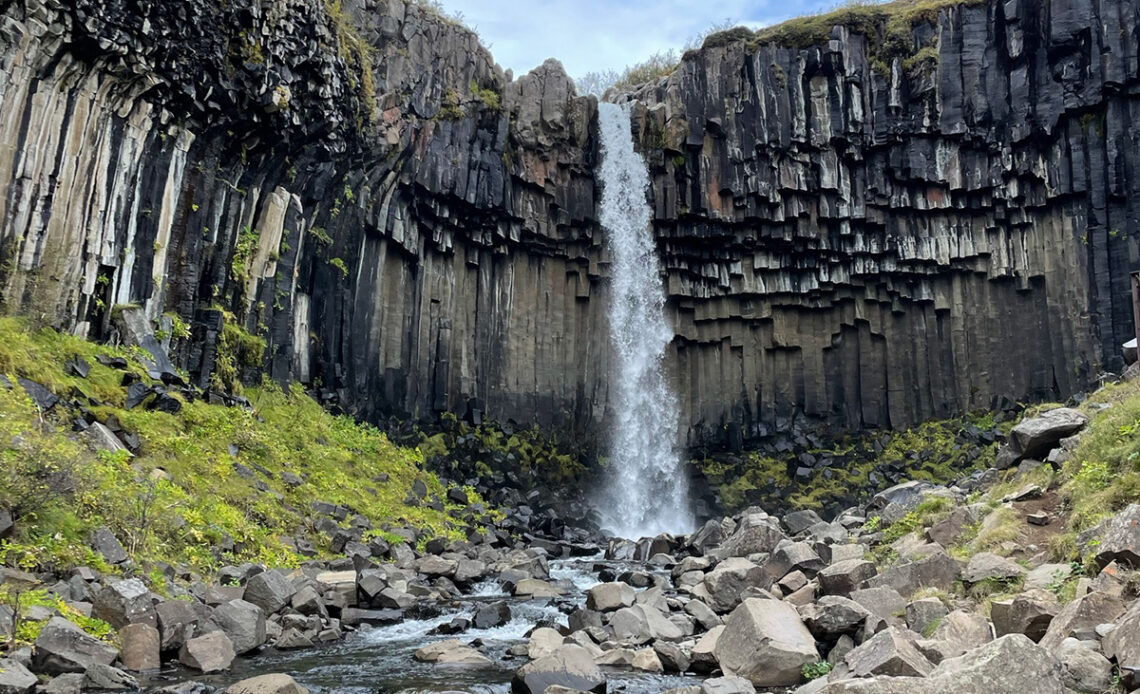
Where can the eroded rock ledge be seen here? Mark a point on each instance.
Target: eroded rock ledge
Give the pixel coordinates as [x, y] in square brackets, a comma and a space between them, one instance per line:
[866, 248]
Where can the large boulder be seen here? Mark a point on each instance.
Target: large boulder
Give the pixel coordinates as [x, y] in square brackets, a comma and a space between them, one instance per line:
[243, 622]
[495, 614]
[1011, 663]
[844, 577]
[1036, 436]
[269, 590]
[141, 646]
[570, 666]
[606, 597]
[123, 602]
[63, 647]
[267, 684]
[212, 652]
[1123, 643]
[832, 616]
[15, 678]
[1084, 669]
[100, 677]
[1087, 611]
[1116, 539]
[105, 543]
[728, 581]
[985, 566]
[888, 652]
[1029, 613]
[891, 504]
[451, 652]
[177, 621]
[765, 642]
[757, 533]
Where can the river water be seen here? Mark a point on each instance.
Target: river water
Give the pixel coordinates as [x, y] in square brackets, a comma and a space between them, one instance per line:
[379, 660]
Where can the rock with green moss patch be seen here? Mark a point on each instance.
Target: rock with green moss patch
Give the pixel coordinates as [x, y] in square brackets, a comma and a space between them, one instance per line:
[63, 647]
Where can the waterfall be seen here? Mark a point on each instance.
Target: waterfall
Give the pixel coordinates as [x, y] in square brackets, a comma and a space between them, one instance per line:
[647, 491]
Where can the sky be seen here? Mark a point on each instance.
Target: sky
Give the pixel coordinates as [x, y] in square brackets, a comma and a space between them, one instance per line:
[595, 35]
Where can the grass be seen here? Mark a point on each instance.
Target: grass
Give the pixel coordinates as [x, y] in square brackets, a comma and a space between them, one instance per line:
[28, 630]
[184, 493]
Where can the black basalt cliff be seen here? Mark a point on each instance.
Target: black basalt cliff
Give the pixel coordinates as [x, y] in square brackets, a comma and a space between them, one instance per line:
[849, 240]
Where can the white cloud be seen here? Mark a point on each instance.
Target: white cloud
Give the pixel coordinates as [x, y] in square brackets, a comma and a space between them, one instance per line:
[595, 35]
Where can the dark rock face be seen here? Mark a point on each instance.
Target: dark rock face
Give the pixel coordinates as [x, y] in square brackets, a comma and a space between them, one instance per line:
[865, 249]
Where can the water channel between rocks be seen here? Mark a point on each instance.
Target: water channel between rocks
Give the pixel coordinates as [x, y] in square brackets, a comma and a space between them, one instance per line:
[379, 659]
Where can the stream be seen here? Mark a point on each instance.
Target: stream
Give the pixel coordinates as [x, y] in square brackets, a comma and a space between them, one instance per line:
[379, 660]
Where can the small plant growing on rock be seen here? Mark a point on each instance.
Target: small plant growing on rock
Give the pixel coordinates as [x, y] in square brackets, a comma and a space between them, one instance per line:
[813, 671]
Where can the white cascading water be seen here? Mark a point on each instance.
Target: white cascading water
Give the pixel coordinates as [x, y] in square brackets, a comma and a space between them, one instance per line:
[647, 490]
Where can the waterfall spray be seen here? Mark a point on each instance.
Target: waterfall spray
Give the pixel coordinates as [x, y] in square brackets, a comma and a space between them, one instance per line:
[647, 490]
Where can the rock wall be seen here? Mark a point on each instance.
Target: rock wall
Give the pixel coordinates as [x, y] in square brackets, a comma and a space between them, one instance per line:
[413, 231]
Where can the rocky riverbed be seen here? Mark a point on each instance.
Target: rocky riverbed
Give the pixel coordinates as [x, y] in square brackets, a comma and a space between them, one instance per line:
[751, 602]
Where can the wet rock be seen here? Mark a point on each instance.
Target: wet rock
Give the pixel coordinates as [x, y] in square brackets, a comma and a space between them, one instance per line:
[211, 652]
[535, 588]
[101, 677]
[68, 683]
[493, 615]
[292, 639]
[543, 641]
[765, 642]
[606, 597]
[244, 624]
[673, 658]
[570, 666]
[646, 660]
[432, 565]
[267, 684]
[888, 652]
[141, 644]
[177, 620]
[352, 617]
[451, 652]
[63, 647]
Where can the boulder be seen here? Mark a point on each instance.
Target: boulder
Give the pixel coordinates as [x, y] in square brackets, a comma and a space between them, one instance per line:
[727, 685]
[832, 616]
[891, 504]
[646, 660]
[352, 616]
[606, 597]
[1036, 436]
[543, 641]
[100, 677]
[727, 582]
[269, 590]
[1115, 539]
[67, 683]
[757, 533]
[212, 652]
[959, 632]
[703, 653]
[765, 642]
[123, 602]
[469, 571]
[923, 616]
[1123, 643]
[938, 570]
[844, 577]
[292, 639]
[6, 523]
[432, 566]
[141, 645]
[1084, 669]
[882, 601]
[495, 614]
[63, 647]
[1029, 613]
[267, 684]
[1011, 663]
[1086, 611]
[105, 543]
[15, 678]
[570, 666]
[673, 658]
[986, 566]
[888, 652]
[451, 652]
[536, 588]
[177, 620]
[243, 622]
[799, 521]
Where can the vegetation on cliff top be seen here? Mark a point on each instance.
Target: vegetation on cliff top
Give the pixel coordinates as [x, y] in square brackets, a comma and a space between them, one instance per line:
[209, 484]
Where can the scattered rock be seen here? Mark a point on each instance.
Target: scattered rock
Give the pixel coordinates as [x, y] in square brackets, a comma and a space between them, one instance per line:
[267, 684]
[63, 647]
[888, 652]
[765, 642]
[570, 666]
[99, 676]
[452, 652]
[212, 652]
[141, 646]
[15, 678]
[606, 597]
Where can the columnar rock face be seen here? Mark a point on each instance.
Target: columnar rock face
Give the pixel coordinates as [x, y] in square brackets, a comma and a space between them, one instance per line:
[861, 242]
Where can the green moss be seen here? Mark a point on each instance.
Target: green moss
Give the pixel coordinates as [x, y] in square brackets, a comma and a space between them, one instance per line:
[489, 97]
[340, 266]
[450, 108]
[237, 351]
[182, 495]
[27, 631]
[359, 57]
